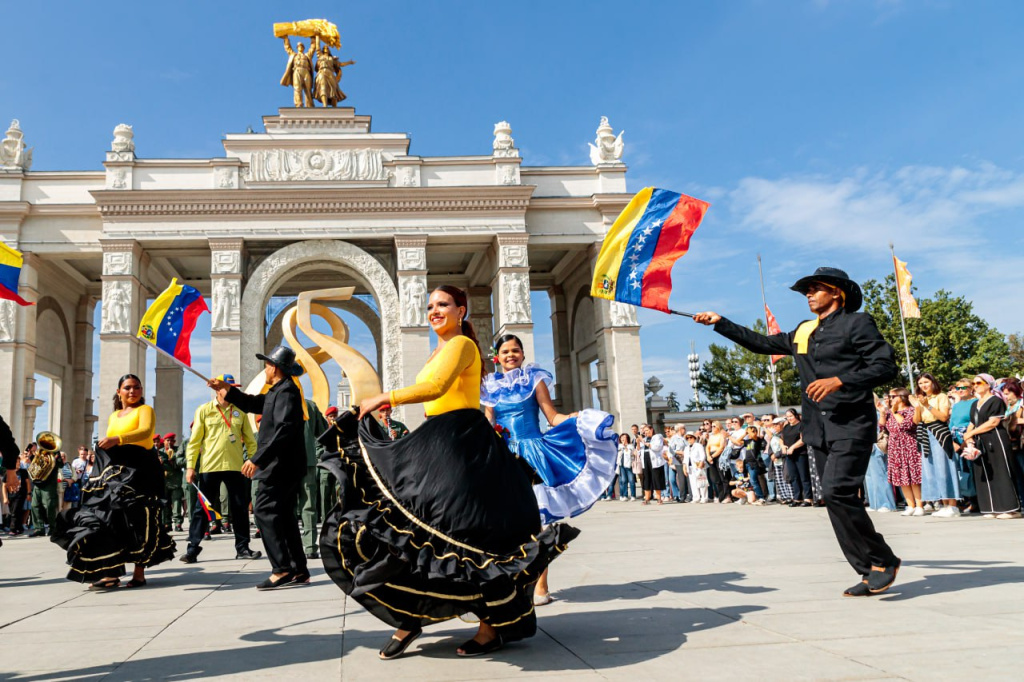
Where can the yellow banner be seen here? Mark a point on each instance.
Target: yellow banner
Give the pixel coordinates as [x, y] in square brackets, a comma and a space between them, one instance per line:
[903, 281]
[325, 30]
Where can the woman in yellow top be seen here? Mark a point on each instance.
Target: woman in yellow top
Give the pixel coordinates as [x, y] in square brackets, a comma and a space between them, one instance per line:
[940, 479]
[443, 522]
[119, 520]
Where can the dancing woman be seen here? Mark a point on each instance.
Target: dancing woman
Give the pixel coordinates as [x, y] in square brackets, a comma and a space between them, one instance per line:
[444, 521]
[119, 520]
[575, 459]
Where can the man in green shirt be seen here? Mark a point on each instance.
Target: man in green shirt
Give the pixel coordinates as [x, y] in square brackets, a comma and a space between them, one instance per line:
[221, 438]
[328, 491]
[396, 429]
[173, 479]
[314, 426]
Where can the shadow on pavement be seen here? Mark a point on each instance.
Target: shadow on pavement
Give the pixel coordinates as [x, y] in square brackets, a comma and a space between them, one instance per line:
[642, 589]
[966, 575]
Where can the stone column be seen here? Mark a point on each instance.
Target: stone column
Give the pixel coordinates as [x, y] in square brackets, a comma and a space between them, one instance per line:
[482, 317]
[167, 403]
[18, 356]
[411, 257]
[511, 286]
[124, 302]
[227, 269]
[561, 337]
[84, 411]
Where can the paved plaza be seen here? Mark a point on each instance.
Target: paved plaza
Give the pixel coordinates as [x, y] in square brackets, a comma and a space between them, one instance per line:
[676, 592]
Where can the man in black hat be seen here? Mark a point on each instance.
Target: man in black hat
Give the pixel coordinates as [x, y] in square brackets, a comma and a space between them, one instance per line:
[279, 464]
[841, 358]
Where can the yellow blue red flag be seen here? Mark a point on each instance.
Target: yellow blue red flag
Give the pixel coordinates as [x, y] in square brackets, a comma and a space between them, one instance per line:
[649, 236]
[211, 513]
[169, 322]
[10, 270]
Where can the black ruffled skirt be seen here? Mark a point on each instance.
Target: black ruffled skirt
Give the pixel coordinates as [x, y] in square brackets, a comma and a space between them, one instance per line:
[438, 524]
[119, 520]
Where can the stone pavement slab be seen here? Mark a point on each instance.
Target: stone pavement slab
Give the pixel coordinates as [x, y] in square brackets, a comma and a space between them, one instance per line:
[671, 592]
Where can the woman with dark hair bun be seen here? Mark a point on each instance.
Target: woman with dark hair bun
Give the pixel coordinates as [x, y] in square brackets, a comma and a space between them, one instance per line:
[444, 521]
[119, 519]
[575, 459]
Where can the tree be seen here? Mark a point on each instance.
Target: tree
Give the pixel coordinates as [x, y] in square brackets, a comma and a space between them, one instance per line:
[949, 340]
[1016, 344]
[738, 376]
[673, 401]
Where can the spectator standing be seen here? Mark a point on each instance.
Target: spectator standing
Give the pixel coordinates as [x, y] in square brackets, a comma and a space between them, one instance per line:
[1014, 422]
[718, 470]
[695, 464]
[654, 461]
[959, 421]
[314, 426]
[939, 479]
[627, 479]
[783, 490]
[677, 449]
[994, 466]
[796, 452]
[904, 457]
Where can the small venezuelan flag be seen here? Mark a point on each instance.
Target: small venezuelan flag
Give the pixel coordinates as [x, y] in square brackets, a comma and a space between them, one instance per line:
[169, 322]
[211, 513]
[10, 271]
[648, 237]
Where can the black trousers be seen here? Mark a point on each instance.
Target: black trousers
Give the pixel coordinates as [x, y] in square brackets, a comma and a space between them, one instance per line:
[238, 501]
[799, 468]
[719, 480]
[274, 509]
[843, 464]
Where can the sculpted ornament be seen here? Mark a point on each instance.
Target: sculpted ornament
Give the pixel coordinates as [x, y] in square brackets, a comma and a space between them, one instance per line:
[225, 178]
[412, 259]
[622, 314]
[227, 263]
[282, 165]
[119, 180]
[510, 175]
[6, 320]
[504, 145]
[124, 139]
[513, 256]
[414, 301]
[14, 153]
[226, 304]
[117, 263]
[517, 298]
[116, 303]
[606, 148]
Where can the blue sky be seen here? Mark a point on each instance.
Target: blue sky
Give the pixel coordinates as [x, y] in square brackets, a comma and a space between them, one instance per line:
[818, 129]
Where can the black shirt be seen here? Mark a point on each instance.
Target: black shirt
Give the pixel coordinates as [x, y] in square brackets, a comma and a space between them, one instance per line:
[8, 447]
[281, 442]
[844, 345]
[791, 434]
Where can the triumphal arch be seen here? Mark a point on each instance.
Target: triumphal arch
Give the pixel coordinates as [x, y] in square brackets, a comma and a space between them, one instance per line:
[315, 200]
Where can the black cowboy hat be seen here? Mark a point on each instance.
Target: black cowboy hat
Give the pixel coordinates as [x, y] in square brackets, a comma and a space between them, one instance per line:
[284, 359]
[835, 277]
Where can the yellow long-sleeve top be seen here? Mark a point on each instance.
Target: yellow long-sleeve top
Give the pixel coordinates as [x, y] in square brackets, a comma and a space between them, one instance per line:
[211, 440]
[135, 428]
[449, 381]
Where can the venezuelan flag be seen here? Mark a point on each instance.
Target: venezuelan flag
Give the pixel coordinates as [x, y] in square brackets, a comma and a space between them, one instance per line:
[649, 236]
[169, 322]
[211, 513]
[10, 271]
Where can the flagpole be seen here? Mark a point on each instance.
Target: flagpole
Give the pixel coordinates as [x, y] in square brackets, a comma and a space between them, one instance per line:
[903, 324]
[160, 350]
[681, 314]
[771, 364]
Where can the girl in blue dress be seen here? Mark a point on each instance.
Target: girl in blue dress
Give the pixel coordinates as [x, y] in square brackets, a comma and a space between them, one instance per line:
[575, 459]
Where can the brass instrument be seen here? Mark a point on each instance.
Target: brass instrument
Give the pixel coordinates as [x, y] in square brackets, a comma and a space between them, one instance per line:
[42, 465]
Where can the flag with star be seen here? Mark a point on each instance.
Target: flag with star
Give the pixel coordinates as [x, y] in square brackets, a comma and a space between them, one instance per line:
[649, 236]
[169, 322]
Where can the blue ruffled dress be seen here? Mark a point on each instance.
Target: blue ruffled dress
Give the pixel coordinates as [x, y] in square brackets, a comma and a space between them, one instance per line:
[576, 459]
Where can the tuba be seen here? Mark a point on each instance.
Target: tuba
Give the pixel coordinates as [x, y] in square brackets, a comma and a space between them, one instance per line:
[42, 465]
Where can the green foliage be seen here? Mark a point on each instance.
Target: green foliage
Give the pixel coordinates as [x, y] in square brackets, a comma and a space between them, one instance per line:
[1016, 344]
[741, 377]
[949, 340]
[673, 401]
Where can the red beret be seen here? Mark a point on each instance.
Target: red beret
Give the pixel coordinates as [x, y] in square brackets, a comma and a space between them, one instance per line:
[333, 409]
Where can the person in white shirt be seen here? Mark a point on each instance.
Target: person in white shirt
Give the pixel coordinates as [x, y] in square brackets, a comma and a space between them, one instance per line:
[627, 479]
[676, 446]
[655, 458]
[695, 464]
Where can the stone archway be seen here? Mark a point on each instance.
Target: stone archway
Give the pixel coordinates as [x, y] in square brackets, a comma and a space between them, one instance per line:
[53, 359]
[281, 265]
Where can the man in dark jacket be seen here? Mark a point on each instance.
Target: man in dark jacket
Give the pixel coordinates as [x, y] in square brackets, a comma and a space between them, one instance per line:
[9, 451]
[279, 464]
[841, 357]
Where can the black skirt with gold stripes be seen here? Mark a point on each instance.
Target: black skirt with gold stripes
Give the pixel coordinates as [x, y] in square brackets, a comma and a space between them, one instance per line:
[436, 525]
[119, 520]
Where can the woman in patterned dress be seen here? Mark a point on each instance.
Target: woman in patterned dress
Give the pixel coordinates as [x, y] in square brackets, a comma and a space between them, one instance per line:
[904, 458]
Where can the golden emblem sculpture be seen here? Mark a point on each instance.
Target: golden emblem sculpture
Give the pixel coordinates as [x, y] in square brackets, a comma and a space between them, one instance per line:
[363, 379]
[312, 82]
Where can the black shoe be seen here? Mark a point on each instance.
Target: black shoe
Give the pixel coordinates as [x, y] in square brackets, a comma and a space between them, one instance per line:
[191, 555]
[37, 534]
[271, 584]
[248, 554]
[312, 555]
[396, 647]
[300, 578]
[474, 648]
[880, 581]
[216, 530]
[806, 504]
[858, 590]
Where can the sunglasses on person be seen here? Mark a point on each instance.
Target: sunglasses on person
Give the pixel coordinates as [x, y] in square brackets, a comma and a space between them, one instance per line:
[963, 388]
[980, 383]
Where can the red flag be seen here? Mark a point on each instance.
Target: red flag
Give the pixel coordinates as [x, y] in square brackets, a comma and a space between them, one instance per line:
[773, 328]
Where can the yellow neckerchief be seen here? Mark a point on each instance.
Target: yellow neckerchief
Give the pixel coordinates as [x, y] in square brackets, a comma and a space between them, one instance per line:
[803, 334]
[302, 397]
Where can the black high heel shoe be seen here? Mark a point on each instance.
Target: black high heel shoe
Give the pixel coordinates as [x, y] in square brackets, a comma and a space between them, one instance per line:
[396, 647]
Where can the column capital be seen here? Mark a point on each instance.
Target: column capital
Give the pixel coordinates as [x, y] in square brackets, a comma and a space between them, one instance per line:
[227, 257]
[121, 257]
[411, 255]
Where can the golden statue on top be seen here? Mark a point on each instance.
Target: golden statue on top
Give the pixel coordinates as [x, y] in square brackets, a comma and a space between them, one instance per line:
[309, 81]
